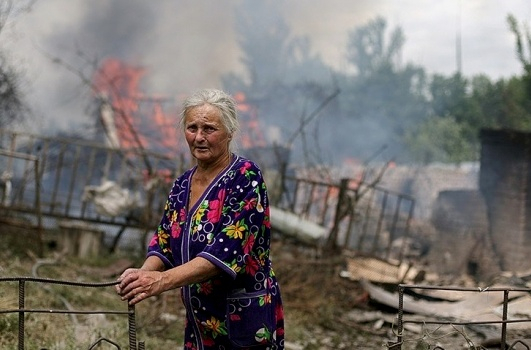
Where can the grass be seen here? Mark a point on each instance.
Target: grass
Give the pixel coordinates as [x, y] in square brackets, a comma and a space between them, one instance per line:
[313, 293]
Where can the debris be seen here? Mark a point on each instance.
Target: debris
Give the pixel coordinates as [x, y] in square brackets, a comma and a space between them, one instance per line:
[295, 226]
[483, 306]
[110, 199]
[378, 270]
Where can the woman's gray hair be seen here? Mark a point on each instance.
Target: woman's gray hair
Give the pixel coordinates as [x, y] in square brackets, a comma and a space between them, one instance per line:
[217, 98]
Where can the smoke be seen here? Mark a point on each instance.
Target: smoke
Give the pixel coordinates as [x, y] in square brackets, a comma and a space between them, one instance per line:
[188, 44]
[183, 45]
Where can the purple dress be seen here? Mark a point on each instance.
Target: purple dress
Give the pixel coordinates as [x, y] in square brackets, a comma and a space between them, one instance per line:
[230, 227]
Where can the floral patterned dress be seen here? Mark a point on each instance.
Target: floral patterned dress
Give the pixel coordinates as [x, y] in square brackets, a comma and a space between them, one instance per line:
[229, 226]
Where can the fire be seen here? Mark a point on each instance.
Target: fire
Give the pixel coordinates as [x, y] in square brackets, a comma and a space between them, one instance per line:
[252, 135]
[133, 120]
[139, 120]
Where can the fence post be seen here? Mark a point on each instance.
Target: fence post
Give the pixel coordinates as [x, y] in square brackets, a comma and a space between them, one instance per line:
[21, 303]
[341, 208]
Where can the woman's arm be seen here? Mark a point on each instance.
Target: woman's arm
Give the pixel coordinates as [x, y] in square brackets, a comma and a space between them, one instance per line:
[150, 280]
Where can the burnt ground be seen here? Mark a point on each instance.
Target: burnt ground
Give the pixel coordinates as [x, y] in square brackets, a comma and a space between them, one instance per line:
[323, 310]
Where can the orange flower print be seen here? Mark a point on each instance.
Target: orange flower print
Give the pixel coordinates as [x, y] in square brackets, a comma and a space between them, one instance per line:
[163, 237]
[216, 327]
[234, 266]
[236, 231]
[200, 212]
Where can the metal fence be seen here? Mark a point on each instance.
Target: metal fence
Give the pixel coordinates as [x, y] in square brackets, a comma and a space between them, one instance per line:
[45, 178]
[22, 282]
[504, 321]
[360, 216]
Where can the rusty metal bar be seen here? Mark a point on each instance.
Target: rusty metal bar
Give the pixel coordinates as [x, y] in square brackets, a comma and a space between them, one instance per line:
[38, 208]
[466, 289]
[518, 342]
[68, 312]
[97, 343]
[504, 318]
[132, 328]
[21, 303]
[466, 323]
[400, 313]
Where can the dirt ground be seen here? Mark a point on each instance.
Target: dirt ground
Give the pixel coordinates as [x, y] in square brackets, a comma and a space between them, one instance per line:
[323, 310]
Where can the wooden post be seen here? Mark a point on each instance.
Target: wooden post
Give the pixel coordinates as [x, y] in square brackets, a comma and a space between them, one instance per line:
[331, 244]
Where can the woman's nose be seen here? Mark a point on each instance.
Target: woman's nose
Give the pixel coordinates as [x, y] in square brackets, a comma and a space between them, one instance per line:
[200, 135]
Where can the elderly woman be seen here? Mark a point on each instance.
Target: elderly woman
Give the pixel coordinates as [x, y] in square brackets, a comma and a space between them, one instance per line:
[213, 240]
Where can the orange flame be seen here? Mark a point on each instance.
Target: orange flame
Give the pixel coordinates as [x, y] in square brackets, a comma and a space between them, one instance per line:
[119, 83]
[252, 135]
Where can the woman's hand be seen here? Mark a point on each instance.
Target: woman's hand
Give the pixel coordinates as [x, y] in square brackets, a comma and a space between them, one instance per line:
[136, 285]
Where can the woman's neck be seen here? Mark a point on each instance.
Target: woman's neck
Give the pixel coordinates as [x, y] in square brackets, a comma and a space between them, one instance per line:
[206, 172]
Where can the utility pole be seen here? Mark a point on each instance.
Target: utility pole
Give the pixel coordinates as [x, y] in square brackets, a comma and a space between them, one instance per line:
[458, 54]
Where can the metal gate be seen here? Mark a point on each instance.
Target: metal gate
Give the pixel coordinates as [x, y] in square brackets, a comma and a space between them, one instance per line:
[360, 216]
[22, 282]
[46, 179]
[504, 321]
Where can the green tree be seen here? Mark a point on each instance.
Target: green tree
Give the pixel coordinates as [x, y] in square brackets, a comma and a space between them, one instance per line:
[523, 53]
[440, 140]
[368, 50]
[450, 98]
[523, 39]
[459, 109]
[502, 103]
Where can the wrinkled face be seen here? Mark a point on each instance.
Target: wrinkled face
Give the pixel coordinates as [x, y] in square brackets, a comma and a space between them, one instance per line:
[205, 134]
